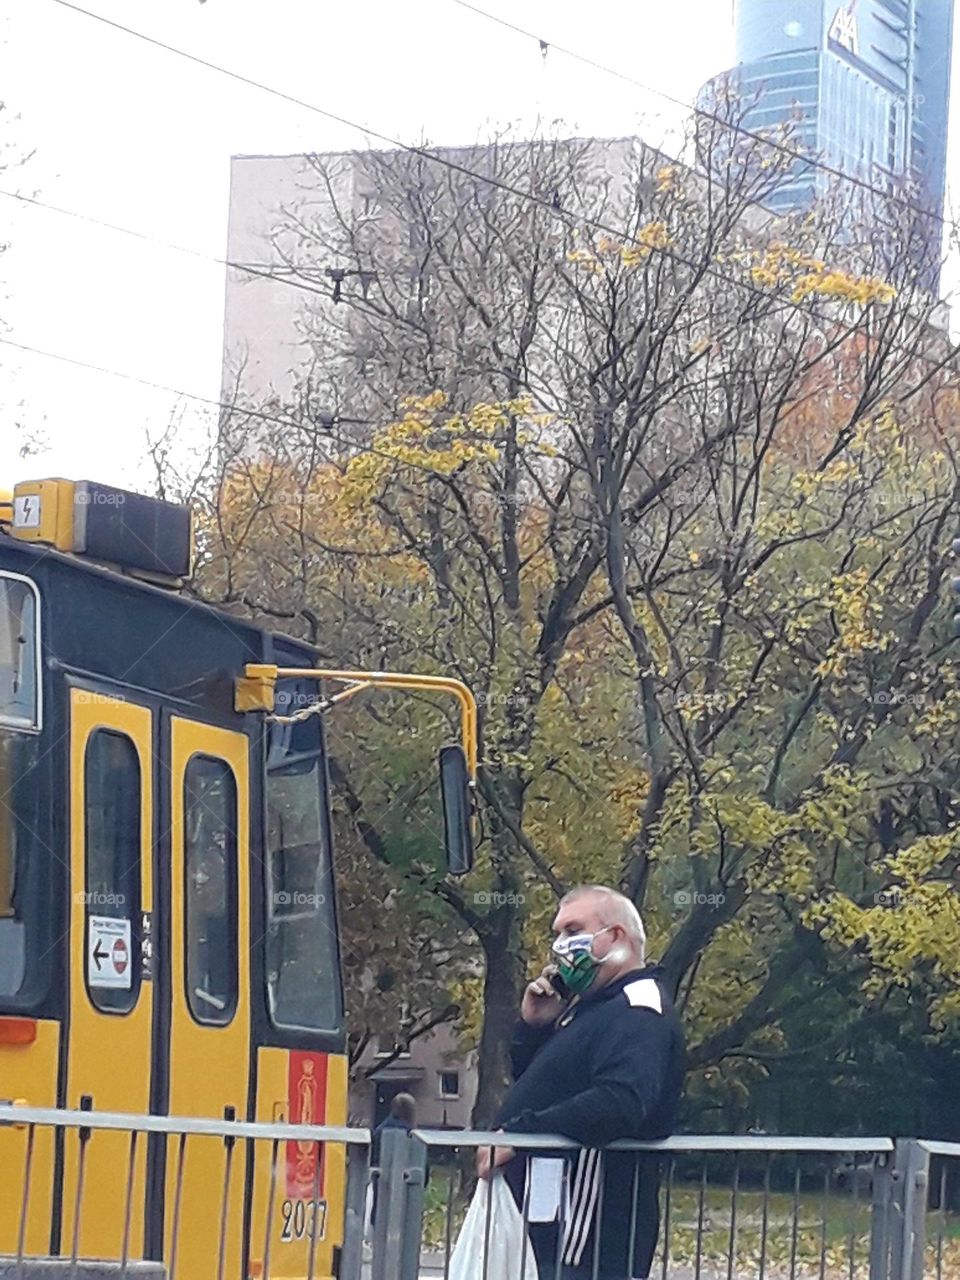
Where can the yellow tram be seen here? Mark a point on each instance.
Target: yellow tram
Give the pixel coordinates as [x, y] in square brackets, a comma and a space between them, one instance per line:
[168, 926]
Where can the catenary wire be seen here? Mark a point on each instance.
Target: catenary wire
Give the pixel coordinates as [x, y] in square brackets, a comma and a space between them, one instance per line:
[280, 277]
[192, 395]
[446, 162]
[133, 233]
[268, 274]
[285, 275]
[260, 415]
[188, 395]
[704, 114]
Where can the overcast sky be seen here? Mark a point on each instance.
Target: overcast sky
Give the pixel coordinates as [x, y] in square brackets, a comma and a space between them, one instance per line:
[133, 135]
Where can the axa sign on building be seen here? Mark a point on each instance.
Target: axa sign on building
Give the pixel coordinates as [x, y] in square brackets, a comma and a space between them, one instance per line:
[863, 84]
[843, 29]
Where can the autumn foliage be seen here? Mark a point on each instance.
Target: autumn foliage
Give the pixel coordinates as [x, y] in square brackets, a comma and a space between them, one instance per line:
[675, 496]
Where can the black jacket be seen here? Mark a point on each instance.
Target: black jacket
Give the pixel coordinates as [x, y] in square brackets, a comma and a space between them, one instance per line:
[610, 1067]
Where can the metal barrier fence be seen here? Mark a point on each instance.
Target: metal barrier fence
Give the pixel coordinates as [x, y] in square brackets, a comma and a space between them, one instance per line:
[176, 1197]
[171, 1198]
[774, 1208]
[933, 1206]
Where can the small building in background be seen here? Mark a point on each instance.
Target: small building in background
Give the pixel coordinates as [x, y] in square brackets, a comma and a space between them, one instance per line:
[434, 1069]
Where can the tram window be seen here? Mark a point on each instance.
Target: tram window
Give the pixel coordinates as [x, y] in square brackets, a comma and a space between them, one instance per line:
[303, 969]
[22, 873]
[210, 892]
[112, 896]
[19, 701]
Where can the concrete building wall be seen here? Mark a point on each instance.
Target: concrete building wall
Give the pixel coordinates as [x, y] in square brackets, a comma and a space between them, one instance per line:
[263, 341]
[274, 327]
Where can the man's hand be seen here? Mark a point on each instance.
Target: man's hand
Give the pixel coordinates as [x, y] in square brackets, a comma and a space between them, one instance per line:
[486, 1167]
[541, 1003]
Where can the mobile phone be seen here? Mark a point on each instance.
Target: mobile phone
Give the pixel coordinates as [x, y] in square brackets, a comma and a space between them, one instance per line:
[560, 987]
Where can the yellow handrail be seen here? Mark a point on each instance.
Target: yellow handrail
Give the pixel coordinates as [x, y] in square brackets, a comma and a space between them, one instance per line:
[263, 677]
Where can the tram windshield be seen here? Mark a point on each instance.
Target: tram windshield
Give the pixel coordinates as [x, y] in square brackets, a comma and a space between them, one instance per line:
[303, 971]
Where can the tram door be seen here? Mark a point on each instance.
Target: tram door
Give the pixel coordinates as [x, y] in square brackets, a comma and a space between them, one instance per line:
[112, 798]
[209, 1042]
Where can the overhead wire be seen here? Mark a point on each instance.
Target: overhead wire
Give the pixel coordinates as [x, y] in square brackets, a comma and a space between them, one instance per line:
[288, 276]
[327, 432]
[267, 271]
[422, 152]
[260, 415]
[704, 114]
[446, 162]
[179, 392]
[282, 275]
[200, 254]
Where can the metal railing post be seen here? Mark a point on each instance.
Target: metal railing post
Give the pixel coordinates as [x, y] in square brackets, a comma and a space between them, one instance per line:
[358, 1171]
[881, 1211]
[911, 1175]
[399, 1206]
[387, 1189]
[414, 1181]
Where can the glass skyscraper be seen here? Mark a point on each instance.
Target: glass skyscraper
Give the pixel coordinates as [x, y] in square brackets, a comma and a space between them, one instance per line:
[866, 81]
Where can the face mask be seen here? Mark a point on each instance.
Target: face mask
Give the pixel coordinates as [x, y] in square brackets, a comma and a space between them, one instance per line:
[576, 964]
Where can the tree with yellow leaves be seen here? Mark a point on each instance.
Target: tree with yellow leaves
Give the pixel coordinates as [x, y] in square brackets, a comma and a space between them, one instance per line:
[566, 468]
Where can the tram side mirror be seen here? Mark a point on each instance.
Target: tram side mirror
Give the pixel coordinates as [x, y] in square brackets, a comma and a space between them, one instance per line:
[455, 794]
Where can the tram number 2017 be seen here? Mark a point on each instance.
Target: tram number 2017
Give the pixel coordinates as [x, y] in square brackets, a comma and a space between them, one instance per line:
[303, 1219]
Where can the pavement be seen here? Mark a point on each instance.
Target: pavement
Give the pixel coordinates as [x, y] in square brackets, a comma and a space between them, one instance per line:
[431, 1266]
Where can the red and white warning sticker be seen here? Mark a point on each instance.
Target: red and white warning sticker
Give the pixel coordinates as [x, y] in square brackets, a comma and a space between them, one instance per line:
[109, 952]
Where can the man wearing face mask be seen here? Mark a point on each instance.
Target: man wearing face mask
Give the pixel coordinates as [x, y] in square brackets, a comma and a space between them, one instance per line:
[597, 1056]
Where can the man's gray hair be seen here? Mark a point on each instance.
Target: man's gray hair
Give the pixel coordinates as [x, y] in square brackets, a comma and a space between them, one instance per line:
[618, 909]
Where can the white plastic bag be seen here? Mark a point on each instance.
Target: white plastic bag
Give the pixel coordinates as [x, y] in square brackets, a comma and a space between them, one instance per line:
[502, 1248]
